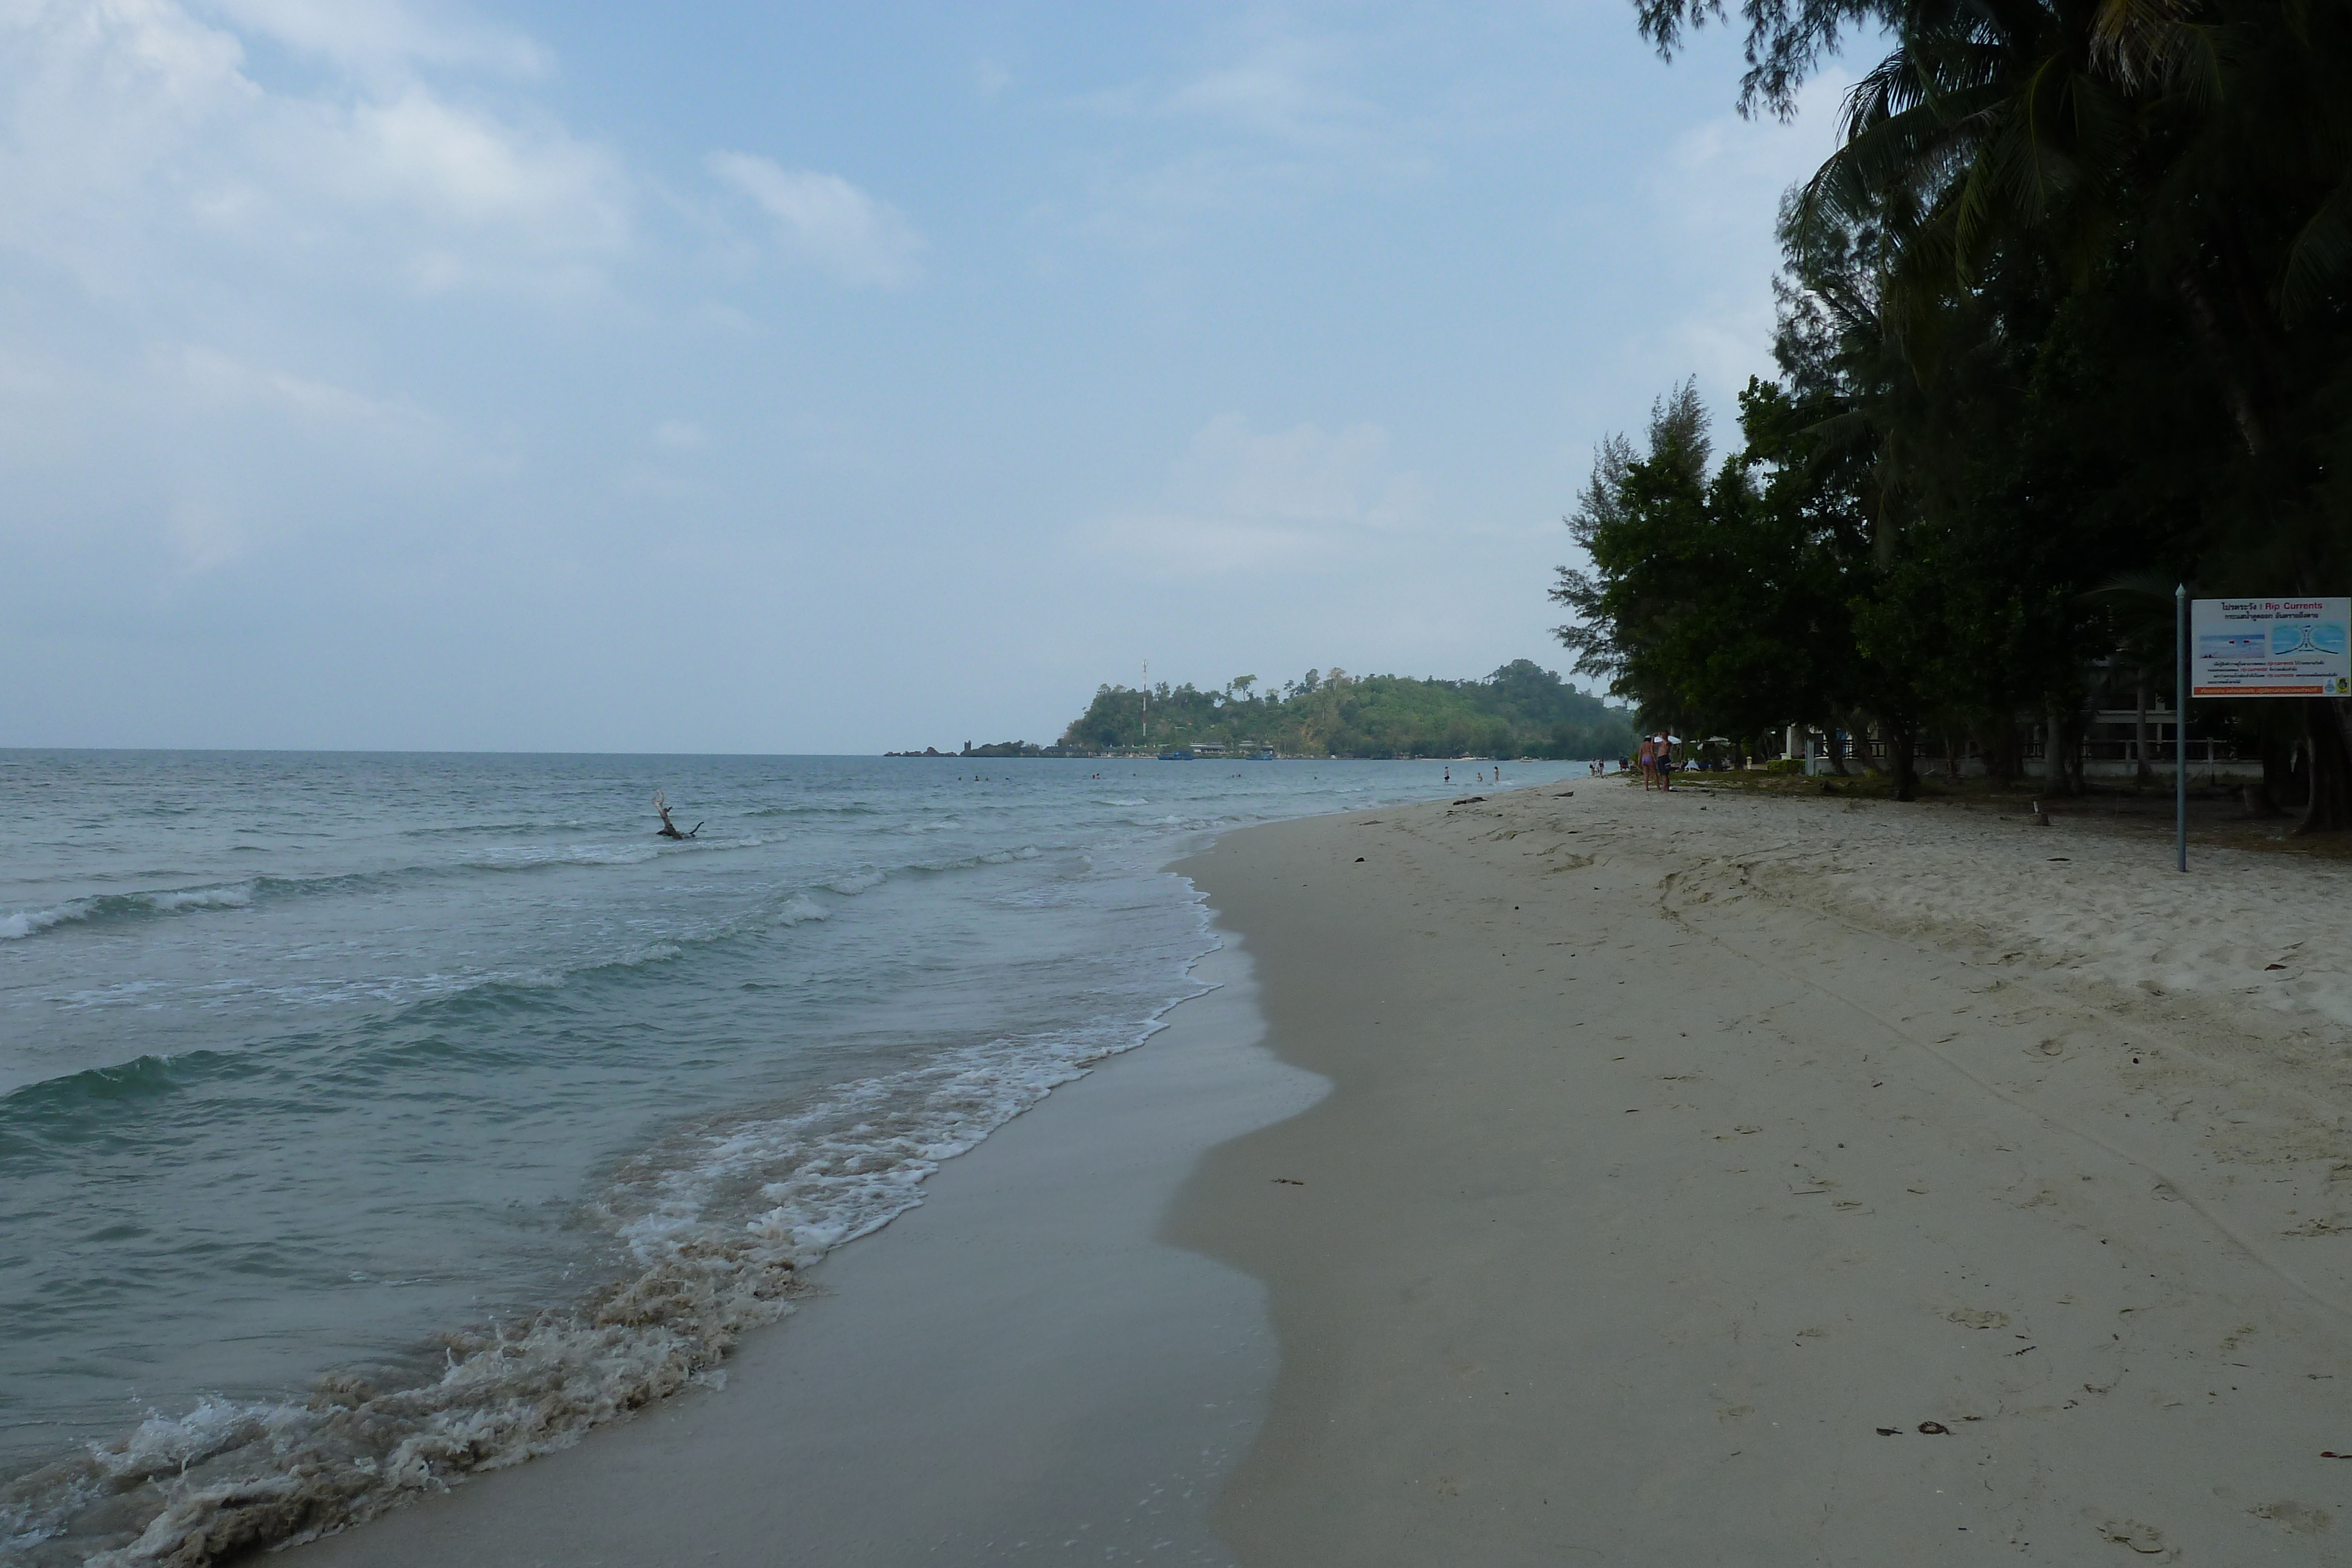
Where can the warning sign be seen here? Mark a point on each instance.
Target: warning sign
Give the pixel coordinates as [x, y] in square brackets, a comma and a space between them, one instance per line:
[2270, 647]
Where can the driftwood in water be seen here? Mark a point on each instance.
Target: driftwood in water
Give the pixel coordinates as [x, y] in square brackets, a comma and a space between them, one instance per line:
[669, 829]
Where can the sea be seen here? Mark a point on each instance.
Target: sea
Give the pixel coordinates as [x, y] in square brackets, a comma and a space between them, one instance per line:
[367, 1120]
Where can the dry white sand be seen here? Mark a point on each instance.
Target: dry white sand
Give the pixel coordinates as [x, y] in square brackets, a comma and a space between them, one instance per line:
[1721, 1181]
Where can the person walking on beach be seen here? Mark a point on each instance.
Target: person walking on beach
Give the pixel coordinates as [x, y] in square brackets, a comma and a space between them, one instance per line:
[1665, 758]
[1649, 760]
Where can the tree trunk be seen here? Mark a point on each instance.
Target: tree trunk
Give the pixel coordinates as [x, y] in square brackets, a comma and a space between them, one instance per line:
[2000, 754]
[2204, 323]
[2329, 810]
[2142, 774]
[1899, 761]
[2054, 778]
[2278, 785]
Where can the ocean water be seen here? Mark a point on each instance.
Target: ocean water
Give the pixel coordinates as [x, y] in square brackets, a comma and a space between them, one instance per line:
[367, 1120]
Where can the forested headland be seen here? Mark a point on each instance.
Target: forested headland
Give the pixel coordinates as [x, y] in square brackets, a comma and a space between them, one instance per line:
[2065, 320]
[1520, 710]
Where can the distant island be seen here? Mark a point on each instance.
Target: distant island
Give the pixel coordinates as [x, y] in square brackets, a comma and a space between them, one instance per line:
[1519, 711]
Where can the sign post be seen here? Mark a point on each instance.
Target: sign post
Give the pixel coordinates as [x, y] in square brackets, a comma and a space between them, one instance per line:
[2180, 725]
[2288, 647]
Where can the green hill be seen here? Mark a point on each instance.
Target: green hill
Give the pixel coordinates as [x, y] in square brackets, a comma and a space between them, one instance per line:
[1520, 710]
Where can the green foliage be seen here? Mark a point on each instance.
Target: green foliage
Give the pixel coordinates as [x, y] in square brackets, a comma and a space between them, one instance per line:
[2069, 309]
[1715, 600]
[1520, 710]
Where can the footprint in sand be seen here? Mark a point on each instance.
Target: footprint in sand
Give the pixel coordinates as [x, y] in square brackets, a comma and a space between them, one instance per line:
[2145, 1539]
[1972, 1317]
[2301, 1518]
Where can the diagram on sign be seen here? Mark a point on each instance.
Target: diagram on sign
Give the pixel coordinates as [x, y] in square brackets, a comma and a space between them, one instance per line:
[2323, 637]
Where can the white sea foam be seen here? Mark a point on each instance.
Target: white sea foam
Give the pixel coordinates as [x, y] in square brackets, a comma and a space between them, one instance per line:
[716, 1222]
[169, 901]
[236, 898]
[529, 857]
[228, 1476]
[846, 1165]
[32, 922]
[860, 880]
[800, 907]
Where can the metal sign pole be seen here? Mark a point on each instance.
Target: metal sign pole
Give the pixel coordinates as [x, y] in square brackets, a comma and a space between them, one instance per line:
[2180, 725]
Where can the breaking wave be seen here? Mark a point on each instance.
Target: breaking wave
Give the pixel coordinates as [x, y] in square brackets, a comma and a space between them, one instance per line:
[101, 906]
[243, 895]
[710, 1229]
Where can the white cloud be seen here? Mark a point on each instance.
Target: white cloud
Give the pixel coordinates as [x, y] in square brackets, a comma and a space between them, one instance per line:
[1240, 499]
[680, 434]
[373, 36]
[1282, 87]
[184, 457]
[856, 237]
[468, 178]
[1278, 115]
[1718, 192]
[221, 380]
[135, 142]
[220, 416]
[1300, 475]
[1723, 180]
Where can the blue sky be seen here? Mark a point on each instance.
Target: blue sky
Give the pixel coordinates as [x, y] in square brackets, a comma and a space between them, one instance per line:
[799, 378]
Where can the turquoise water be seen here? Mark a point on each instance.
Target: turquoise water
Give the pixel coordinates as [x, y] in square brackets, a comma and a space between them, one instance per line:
[371, 1118]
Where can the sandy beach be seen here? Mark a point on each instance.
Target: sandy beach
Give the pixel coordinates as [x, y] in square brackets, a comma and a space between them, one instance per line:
[1701, 1179]
[1715, 1180]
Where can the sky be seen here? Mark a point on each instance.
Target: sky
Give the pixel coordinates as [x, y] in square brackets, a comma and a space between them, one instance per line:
[783, 378]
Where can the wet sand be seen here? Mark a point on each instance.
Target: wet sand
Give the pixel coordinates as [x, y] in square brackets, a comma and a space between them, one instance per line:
[1016, 1372]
